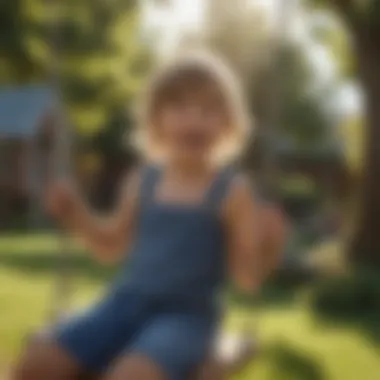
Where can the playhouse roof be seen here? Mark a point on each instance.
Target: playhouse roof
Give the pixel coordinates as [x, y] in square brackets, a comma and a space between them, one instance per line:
[22, 109]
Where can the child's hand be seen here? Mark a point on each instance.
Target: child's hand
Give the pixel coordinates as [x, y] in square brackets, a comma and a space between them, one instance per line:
[61, 200]
[256, 285]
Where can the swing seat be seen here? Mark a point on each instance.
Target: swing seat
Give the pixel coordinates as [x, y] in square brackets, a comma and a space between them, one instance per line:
[235, 352]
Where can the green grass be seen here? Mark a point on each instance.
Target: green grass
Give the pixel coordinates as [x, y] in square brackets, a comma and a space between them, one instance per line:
[295, 345]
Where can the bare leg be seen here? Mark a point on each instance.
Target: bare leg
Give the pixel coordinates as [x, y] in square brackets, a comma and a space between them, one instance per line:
[135, 367]
[44, 360]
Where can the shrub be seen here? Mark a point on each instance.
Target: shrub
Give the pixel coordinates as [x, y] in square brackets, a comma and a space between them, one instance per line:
[290, 363]
[349, 297]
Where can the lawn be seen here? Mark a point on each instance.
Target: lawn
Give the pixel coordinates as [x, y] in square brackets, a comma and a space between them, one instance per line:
[296, 346]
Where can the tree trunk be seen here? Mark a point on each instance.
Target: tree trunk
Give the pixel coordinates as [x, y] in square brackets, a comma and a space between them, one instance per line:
[364, 247]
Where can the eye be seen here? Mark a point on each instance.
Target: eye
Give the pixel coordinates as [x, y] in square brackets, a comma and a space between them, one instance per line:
[213, 109]
[177, 102]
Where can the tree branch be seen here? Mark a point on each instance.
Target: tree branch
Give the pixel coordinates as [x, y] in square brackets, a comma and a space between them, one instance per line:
[348, 12]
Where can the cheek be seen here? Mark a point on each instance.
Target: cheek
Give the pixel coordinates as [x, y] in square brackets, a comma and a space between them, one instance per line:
[169, 125]
[216, 129]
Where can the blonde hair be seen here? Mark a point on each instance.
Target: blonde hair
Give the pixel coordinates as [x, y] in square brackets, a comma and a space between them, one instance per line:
[206, 66]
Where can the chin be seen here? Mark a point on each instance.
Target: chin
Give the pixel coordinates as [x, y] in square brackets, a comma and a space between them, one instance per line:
[193, 156]
[197, 155]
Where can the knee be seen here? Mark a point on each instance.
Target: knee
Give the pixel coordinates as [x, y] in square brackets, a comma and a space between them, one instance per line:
[210, 370]
[135, 367]
[42, 359]
[29, 365]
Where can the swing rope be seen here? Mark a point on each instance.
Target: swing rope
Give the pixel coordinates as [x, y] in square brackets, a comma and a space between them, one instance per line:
[60, 167]
[285, 9]
[268, 165]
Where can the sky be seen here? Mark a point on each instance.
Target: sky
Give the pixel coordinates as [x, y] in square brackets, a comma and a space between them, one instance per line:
[171, 21]
[167, 21]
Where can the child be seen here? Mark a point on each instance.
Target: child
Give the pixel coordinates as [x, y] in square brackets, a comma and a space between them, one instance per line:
[186, 221]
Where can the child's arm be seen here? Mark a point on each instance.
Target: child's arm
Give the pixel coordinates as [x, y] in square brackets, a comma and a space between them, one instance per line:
[240, 221]
[106, 236]
[272, 240]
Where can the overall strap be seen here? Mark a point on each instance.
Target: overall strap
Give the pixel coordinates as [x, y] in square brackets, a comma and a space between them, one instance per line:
[220, 187]
[150, 175]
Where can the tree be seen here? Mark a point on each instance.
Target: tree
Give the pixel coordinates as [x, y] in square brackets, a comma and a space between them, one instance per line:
[243, 35]
[304, 119]
[99, 58]
[328, 29]
[362, 20]
[305, 136]
[352, 136]
[240, 32]
[16, 65]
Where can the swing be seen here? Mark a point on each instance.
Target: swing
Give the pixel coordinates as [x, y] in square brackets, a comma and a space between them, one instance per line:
[234, 351]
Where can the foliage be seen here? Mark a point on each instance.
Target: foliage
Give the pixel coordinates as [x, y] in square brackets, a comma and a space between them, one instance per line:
[112, 148]
[281, 87]
[288, 101]
[352, 133]
[332, 33]
[293, 364]
[362, 19]
[239, 32]
[349, 297]
[328, 257]
[353, 11]
[91, 46]
[303, 118]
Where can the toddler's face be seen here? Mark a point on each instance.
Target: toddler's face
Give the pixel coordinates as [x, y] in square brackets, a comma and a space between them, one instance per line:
[192, 123]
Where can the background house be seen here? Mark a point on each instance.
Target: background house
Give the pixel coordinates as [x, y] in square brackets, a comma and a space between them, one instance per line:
[26, 121]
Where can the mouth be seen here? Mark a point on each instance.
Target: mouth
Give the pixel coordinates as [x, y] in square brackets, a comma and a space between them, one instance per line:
[194, 140]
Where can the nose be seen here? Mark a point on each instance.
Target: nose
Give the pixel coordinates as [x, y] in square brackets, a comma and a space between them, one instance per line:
[194, 112]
